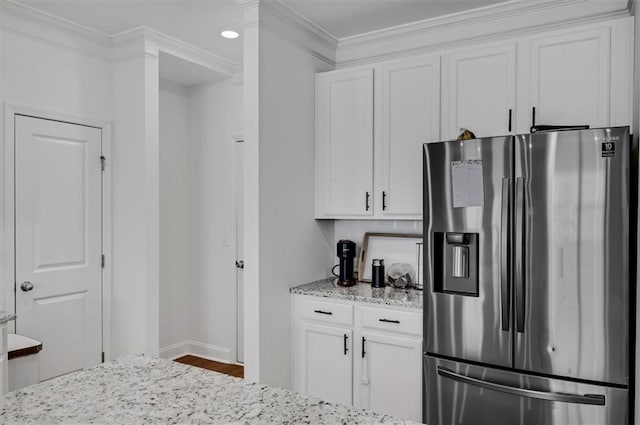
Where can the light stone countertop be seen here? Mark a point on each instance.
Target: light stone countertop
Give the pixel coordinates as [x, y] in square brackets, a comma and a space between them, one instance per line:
[148, 390]
[6, 317]
[363, 292]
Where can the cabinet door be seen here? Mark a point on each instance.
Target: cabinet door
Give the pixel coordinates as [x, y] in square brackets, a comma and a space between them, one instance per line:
[479, 87]
[569, 82]
[409, 115]
[326, 362]
[389, 375]
[344, 143]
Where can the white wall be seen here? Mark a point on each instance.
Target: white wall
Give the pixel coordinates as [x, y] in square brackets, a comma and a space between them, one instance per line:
[135, 168]
[355, 230]
[284, 245]
[177, 318]
[54, 78]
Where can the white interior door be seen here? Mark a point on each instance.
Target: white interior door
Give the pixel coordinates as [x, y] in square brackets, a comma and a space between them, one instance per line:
[58, 197]
[239, 192]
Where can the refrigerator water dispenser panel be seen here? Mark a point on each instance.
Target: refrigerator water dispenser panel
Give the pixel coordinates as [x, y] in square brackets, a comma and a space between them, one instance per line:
[456, 263]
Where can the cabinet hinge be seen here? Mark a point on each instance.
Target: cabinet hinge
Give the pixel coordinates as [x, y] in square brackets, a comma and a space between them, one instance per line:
[103, 261]
[103, 162]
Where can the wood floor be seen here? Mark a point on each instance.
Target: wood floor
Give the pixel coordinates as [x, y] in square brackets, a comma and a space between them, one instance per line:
[227, 369]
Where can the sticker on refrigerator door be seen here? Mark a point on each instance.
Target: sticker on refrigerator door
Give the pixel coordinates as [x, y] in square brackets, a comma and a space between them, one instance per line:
[608, 149]
[467, 183]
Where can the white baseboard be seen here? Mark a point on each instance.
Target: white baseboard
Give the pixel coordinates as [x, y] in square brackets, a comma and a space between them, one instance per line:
[196, 348]
[173, 351]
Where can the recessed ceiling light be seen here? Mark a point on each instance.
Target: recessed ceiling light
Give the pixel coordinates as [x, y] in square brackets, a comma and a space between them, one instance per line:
[229, 34]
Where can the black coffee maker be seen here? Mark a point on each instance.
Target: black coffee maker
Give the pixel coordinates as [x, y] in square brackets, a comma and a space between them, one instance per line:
[346, 253]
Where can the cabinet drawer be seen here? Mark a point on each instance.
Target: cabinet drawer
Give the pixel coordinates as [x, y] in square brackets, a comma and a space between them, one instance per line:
[327, 312]
[392, 320]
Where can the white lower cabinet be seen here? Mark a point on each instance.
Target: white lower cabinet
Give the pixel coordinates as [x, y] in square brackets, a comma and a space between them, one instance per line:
[327, 357]
[359, 354]
[388, 375]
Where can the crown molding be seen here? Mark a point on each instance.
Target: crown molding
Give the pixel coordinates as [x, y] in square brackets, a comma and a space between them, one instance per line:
[38, 25]
[277, 17]
[146, 41]
[516, 16]
[303, 25]
[35, 24]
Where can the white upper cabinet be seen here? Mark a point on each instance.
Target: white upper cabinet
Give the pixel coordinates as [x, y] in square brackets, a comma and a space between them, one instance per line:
[408, 108]
[366, 170]
[369, 156]
[344, 143]
[479, 90]
[566, 77]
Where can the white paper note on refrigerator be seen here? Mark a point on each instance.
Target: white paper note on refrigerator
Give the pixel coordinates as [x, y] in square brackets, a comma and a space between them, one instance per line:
[467, 183]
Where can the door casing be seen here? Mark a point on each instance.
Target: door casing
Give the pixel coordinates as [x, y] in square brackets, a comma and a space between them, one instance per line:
[7, 213]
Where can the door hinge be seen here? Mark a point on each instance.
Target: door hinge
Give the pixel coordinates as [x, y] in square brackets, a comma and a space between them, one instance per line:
[103, 261]
[103, 357]
[103, 162]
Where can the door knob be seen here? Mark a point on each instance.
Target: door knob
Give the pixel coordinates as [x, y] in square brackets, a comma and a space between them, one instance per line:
[26, 286]
[240, 264]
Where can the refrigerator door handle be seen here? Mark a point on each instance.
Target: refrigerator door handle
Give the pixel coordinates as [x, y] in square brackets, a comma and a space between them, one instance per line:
[505, 285]
[593, 399]
[519, 242]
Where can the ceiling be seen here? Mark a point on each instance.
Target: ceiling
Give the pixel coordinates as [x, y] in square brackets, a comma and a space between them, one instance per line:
[200, 22]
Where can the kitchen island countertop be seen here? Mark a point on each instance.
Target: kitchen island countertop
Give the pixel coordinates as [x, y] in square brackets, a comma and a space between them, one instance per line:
[362, 292]
[148, 390]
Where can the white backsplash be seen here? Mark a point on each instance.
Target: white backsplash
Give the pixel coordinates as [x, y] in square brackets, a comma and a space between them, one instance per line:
[355, 230]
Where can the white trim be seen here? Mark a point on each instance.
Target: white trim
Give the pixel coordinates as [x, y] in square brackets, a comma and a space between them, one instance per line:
[199, 349]
[303, 25]
[236, 138]
[8, 237]
[513, 18]
[150, 41]
[35, 24]
[293, 27]
[107, 245]
[174, 351]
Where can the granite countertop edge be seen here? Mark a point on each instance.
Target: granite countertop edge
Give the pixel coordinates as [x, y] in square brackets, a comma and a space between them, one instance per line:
[6, 317]
[362, 292]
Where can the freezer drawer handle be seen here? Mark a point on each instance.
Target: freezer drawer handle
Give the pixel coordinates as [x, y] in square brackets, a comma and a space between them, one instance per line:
[595, 399]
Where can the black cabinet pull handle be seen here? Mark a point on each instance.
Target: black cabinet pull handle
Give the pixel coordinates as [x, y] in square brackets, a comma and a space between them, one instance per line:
[367, 201]
[510, 113]
[345, 344]
[323, 312]
[389, 321]
[533, 116]
[384, 200]
[363, 352]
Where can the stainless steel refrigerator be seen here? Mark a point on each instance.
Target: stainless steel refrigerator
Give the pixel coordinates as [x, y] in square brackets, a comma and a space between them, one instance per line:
[527, 267]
